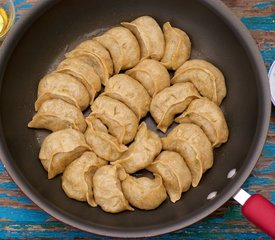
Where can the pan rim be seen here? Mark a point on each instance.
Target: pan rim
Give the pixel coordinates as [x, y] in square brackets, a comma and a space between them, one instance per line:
[244, 37]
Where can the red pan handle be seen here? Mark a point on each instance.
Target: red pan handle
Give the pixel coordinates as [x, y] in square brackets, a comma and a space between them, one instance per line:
[261, 212]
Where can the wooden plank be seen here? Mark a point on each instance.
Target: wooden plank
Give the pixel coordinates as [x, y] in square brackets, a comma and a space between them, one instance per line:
[21, 219]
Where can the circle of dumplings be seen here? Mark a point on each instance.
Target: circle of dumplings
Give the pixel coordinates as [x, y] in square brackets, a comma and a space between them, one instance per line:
[98, 155]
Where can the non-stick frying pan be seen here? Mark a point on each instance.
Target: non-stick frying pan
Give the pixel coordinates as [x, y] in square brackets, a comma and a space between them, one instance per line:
[38, 43]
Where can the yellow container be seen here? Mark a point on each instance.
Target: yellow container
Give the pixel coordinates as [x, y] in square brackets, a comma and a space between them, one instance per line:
[7, 17]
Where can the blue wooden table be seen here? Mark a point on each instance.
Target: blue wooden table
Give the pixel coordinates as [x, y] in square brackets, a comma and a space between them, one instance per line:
[20, 218]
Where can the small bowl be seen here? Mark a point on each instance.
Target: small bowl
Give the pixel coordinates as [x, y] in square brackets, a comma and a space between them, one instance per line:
[7, 17]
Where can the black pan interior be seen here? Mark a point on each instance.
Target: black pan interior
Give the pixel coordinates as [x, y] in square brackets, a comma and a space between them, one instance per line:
[67, 23]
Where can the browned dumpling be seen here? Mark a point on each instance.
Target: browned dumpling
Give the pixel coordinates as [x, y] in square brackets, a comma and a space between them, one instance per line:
[102, 143]
[129, 91]
[60, 148]
[171, 101]
[207, 78]
[149, 36]
[77, 179]
[174, 172]
[121, 122]
[93, 47]
[209, 117]
[62, 86]
[152, 75]
[123, 47]
[107, 189]
[144, 193]
[56, 114]
[94, 54]
[142, 151]
[192, 144]
[177, 47]
[82, 71]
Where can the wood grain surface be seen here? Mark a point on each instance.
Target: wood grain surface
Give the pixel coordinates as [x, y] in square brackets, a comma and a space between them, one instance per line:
[21, 219]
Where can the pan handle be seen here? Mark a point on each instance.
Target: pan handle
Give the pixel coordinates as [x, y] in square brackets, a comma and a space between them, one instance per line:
[258, 210]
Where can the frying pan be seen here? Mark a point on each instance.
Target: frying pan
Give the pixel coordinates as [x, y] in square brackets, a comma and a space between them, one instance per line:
[38, 43]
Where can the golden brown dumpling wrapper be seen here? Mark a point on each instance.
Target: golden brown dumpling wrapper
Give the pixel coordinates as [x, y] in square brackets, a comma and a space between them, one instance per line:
[60, 148]
[94, 47]
[102, 143]
[123, 47]
[149, 36]
[99, 62]
[82, 71]
[142, 151]
[107, 189]
[121, 122]
[209, 117]
[171, 101]
[192, 144]
[152, 75]
[144, 193]
[174, 172]
[56, 114]
[177, 47]
[207, 78]
[129, 91]
[62, 86]
[77, 179]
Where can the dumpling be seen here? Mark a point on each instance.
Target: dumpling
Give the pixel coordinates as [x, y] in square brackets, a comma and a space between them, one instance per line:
[171, 101]
[62, 86]
[174, 172]
[192, 144]
[77, 179]
[149, 36]
[142, 151]
[60, 148]
[102, 143]
[94, 54]
[209, 117]
[56, 114]
[152, 75]
[123, 47]
[129, 91]
[83, 72]
[121, 122]
[207, 78]
[107, 189]
[144, 193]
[94, 47]
[177, 47]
